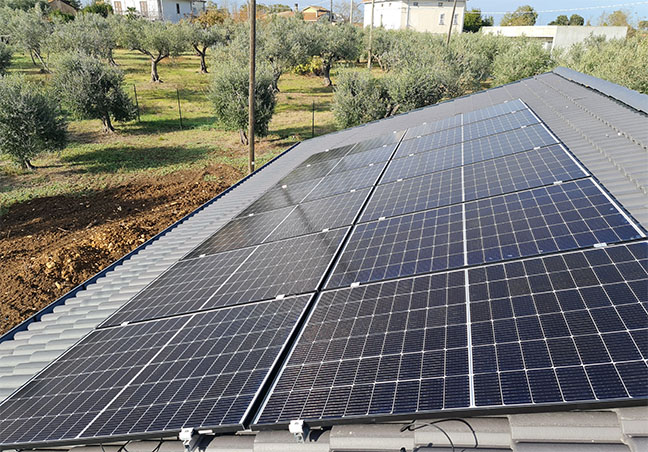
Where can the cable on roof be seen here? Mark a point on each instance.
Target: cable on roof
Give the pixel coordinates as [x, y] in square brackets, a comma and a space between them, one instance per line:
[412, 427]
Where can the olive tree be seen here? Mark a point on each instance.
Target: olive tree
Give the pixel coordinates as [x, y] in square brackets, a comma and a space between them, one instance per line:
[284, 44]
[30, 30]
[201, 37]
[416, 86]
[359, 97]
[91, 89]
[157, 40]
[334, 43]
[229, 96]
[88, 33]
[31, 122]
[523, 58]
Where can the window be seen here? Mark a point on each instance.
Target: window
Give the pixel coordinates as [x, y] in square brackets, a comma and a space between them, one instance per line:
[118, 7]
[441, 4]
[442, 19]
[415, 4]
[177, 8]
[144, 9]
[456, 17]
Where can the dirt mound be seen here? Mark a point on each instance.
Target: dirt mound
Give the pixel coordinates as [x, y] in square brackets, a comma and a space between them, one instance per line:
[50, 245]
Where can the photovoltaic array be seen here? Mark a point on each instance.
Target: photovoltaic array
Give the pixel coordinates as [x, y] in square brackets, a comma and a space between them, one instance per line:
[463, 264]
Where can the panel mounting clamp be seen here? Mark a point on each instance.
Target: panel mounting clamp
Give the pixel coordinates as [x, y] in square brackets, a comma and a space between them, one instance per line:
[299, 429]
[189, 438]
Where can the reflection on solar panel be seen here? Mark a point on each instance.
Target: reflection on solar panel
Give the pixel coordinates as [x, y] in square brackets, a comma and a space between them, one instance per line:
[564, 328]
[487, 272]
[201, 370]
[286, 267]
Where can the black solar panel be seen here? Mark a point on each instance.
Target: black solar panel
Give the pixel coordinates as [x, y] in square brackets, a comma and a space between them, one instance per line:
[346, 181]
[423, 163]
[202, 370]
[433, 126]
[279, 196]
[543, 220]
[505, 143]
[568, 328]
[499, 124]
[401, 246]
[430, 142]
[286, 267]
[493, 110]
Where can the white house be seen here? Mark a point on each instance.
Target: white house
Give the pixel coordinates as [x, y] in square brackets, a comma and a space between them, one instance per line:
[171, 10]
[421, 15]
[558, 36]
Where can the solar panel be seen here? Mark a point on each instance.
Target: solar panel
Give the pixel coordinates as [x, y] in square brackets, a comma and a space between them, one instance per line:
[401, 246]
[275, 269]
[543, 220]
[362, 348]
[567, 328]
[505, 143]
[411, 195]
[426, 143]
[423, 163]
[346, 181]
[202, 370]
[325, 213]
[494, 110]
[279, 196]
[310, 171]
[434, 126]
[499, 124]
[488, 178]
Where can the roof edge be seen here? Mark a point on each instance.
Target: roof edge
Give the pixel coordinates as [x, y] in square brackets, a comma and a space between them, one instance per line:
[625, 95]
[24, 325]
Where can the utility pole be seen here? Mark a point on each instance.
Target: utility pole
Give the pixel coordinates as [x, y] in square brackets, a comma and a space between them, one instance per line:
[373, 4]
[351, 14]
[252, 13]
[331, 12]
[454, 7]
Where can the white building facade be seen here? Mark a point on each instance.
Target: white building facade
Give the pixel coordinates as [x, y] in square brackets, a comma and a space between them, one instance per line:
[421, 15]
[170, 10]
[558, 36]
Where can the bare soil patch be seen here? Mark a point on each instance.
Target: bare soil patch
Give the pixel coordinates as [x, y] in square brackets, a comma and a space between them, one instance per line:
[51, 244]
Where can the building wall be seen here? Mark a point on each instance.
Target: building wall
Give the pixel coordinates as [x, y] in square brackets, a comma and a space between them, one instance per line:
[423, 15]
[556, 36]
[159, 9]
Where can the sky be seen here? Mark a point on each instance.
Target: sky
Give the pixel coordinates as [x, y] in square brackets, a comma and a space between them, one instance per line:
[638, 11]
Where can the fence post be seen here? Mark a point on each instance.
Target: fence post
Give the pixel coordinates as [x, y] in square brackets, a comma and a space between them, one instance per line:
[313, 122]
[179, 110]
[136, 103]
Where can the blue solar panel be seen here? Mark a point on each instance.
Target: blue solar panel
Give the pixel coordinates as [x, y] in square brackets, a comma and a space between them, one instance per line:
[202, 370]
[566, 328]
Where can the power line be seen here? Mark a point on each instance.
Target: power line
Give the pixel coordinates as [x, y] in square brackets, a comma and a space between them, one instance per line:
[564, 10]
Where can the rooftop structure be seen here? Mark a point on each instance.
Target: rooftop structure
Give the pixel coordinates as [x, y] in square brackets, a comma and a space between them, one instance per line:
[558, 36]
[456, 172]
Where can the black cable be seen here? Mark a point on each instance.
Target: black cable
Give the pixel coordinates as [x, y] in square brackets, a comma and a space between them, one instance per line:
[413, 427]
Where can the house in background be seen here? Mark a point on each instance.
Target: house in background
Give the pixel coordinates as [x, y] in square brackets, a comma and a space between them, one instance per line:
[558, 36]
[422, 15]
[170, 10]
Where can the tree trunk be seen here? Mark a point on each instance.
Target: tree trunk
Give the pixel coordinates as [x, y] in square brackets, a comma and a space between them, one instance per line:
[31, 54]
[26, 164]
[326, 73]
[275, 80]
[111, 59]
[42, 62]
[107, 124]
[203, 64]
[155, 78]
[243, 136]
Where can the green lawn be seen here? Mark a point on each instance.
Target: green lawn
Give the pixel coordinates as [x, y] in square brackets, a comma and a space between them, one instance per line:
[156, 145]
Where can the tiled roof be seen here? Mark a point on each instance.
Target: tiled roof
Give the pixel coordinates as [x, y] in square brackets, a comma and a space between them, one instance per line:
[604, 125]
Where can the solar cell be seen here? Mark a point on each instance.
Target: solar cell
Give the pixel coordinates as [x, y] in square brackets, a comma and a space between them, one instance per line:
[499, 124]
[286, 267]
[423, 163]
[488, 178]
[411, 195]
[396, 347]
[505, 143]
[279, 196]
[325, 213]
[201, 370]
[401, 246]
[555, 218]
[494, 110]
[346, 181]
[242, 232]
[433, 126]
[560, 328]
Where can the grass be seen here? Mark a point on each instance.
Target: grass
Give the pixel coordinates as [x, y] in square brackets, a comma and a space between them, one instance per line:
[157, 145]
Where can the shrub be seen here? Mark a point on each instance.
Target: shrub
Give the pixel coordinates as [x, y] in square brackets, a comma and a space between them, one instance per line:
[523, 58]
[229, 95]
[91, 89]
[30, 121]
[359, 98]
[414, 87]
